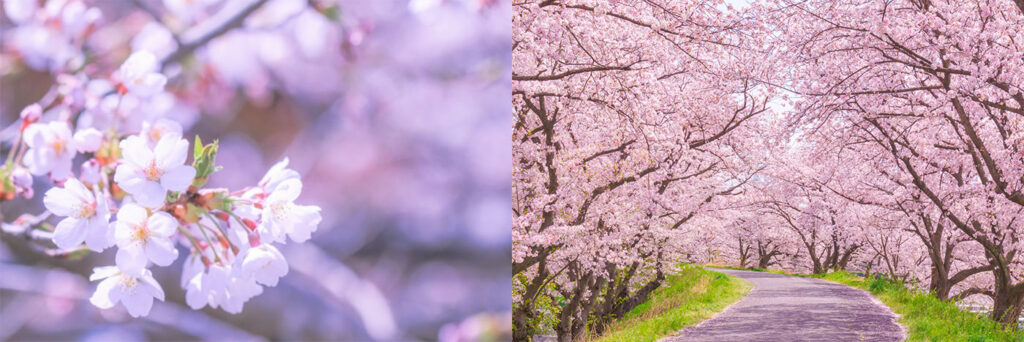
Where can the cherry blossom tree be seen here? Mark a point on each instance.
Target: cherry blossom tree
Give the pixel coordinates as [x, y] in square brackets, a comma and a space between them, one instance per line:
[932, 88]
[627, 116]
[900, 149]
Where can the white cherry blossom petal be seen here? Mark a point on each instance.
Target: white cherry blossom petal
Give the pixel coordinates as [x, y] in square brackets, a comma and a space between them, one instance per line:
[137, 303]
[171, 151]
[69, 233]
[162, 224]
[60, 202]
[178, 178]
[106, 294]
[161, 251]
[131, 259]
[99, 235]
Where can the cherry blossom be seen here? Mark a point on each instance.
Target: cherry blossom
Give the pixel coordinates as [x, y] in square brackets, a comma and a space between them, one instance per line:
[91, 173]
[134, 292]
[88, 140]
[148, 174]
[265, 264]
[282, 216]
[141, 236]
[277, 173]
[154, 131]
[240, 290]
[221, 286]
[87, 216]
[49, 37]
[20, 11]
[140, 75]
[209, 287]
[51, 149]
[22, 181]
[119, 118]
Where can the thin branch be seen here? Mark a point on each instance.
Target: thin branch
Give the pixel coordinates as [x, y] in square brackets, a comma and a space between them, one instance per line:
[187, 47]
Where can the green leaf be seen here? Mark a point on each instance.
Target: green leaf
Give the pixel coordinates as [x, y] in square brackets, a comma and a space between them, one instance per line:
[197, 148]
[78, 254]
[332, 12]
[6, 184]
[205, 157]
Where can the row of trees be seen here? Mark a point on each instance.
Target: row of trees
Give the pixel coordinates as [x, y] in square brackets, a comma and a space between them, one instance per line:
[886, 136]
[627, 126]
[904, 151]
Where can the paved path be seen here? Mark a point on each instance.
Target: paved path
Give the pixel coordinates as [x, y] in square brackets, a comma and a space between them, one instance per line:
[783, 308]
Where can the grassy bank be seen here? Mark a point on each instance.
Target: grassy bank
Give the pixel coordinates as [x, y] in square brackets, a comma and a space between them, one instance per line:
[925, 317]
[687, 298]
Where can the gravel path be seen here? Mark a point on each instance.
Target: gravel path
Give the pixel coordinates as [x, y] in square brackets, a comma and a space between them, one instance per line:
[784, 308]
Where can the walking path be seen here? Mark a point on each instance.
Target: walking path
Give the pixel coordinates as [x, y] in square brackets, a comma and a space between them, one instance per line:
[784, 308]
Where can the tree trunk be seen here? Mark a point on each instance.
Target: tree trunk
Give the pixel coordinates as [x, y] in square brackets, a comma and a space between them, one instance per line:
[764, 255]
[564, 328]
[744, 253]
[940, 284]
[847, 255]
[523, 315]
[1008, 298]
[521, 328]
[1007, 307]
[637, 298]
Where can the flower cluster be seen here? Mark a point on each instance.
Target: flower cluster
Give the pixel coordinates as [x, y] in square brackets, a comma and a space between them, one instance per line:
[49, 36]
[137, 191]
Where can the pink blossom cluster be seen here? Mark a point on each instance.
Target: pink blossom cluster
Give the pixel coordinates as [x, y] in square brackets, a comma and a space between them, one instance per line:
[122, 175]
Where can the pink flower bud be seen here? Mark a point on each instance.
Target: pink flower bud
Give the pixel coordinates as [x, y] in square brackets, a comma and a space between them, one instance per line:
[90, 172]
[32, 113]
[249, 223]
[254, 239]
[223, 216]
[21, 178]
[22, 183]
[88, 140]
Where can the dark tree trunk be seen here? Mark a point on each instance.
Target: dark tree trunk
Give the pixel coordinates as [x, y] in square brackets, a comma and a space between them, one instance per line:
[640, 296]
[523, 315]
[616, 289]
[940, 285]
[1007, 307]
[1007, 297]
[845, 260]
[765, 253]
[582, 319]
[744, 253]
[564, 328]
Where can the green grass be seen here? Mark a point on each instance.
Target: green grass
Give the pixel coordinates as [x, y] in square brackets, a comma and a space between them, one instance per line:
[925, 317]
[687, 298]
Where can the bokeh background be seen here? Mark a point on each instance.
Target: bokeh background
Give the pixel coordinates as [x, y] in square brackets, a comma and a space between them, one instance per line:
[394, 112]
